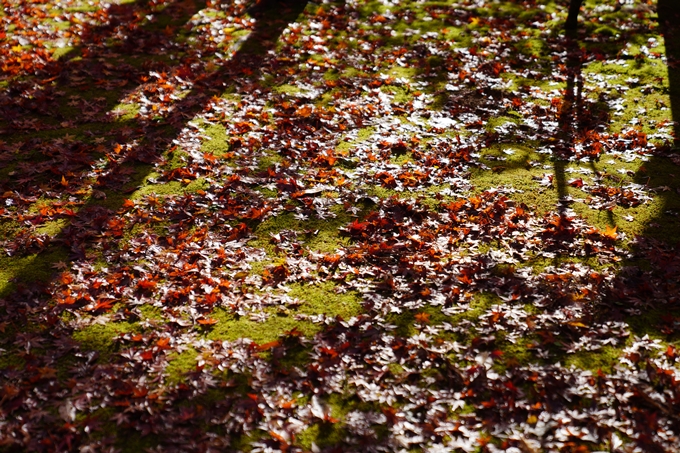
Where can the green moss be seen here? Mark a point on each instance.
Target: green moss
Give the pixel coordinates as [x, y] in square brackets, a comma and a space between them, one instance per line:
[321, 434]
[331, 74]
[53, 227]
[515, 171]
[112, 199]
[395, 369]
[650, 73]
[151, 313]
[127, 112]
[196, 185]
[365, 133]
[540, 263]
[498, 121]
[231, 327]
[166, 188]
[297, 356]
[401, 95]
[320, 235]
[479, 304]
[287, 89]
[362, 135]
[268, 161]
[179, 364]
[604, 359]
[656, 219]
[218, 144]
[327, 434]
[540, 199]
[267, 193]
[407, 324]
[178, 159]
[316, 299]
[514, 354]
[8, 228]
[62, 51]
[101, 337]
[11, 360]
[402, 159]
[649, 322]
[30, 269]
[322, 298]
[514, 155]
[383, 193]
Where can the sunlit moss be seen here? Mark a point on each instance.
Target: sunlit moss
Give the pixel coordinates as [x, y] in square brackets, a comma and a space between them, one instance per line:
[231, 327]
[8, 228]
[317, 234]
[514, 354]
[517, 171]
[31, 269]
[53, 227]
[540, 199]
[539, 263]
[323, 299]
[62, 51]
[268, 161]
[166, 188]
[383, 192]
[151, 312]
[179, 364]
[127, 112]
[361, 135]
[287, 89]
[218, 143]
[407, 324]
[322, 435]
[101, 337]
[178, 159]
[316, 299]
[603, 359]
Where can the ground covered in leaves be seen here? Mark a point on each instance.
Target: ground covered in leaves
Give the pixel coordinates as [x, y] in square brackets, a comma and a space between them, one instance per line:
[339, 226]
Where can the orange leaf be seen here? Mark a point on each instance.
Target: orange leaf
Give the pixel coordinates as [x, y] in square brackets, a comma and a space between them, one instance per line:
[146, 285]
[671, 352]
[423, 318]
[610, 232]
[267, 346]
[304, 111]
[287, 404]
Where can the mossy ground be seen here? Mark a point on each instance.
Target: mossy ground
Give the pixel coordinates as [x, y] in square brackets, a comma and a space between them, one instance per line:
[513, 172]
[521, 168]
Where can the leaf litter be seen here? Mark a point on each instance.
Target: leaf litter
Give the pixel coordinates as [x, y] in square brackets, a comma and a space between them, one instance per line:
[181, 168]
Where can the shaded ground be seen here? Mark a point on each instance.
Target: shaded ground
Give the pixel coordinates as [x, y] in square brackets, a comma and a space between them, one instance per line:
[339, 226]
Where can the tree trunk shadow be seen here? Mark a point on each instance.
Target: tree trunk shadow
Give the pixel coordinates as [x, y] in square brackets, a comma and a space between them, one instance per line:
[568, 121]
[669, 14]
[663, 168]
[573, 123]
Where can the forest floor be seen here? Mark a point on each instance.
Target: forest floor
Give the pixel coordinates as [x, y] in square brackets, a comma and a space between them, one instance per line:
[339, 226]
